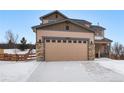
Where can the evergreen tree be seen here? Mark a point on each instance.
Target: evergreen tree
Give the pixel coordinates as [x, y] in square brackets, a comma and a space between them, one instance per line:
[23, 45]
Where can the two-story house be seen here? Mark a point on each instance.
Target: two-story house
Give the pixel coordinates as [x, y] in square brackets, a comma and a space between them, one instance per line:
[59, 38]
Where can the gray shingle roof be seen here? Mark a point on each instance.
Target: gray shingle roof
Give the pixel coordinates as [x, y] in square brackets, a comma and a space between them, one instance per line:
[97, 27]
[56, 11]
[81, 21]
[104, 40]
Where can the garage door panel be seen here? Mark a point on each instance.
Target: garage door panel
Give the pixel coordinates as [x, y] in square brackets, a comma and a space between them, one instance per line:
[65, 51]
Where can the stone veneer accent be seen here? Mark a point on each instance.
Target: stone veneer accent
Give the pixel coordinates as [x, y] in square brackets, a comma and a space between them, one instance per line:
[91, 54]
[40, 51]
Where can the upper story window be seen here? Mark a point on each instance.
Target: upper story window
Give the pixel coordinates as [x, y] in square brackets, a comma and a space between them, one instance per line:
[39, 40]
[99, 33]
[67, 27]
[56, 16]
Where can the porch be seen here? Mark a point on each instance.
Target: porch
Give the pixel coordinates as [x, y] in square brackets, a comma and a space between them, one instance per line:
[102, 48]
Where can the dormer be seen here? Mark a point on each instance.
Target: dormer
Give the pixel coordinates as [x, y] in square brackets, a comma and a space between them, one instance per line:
[52, 17]
[99, 31]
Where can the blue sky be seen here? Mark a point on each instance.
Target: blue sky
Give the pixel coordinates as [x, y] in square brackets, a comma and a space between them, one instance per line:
[21, 21]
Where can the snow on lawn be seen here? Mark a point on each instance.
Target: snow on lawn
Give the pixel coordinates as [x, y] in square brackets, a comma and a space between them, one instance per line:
[16, 71]
[114, 65]
[13, 51]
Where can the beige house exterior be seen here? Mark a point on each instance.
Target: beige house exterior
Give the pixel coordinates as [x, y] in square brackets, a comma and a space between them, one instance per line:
[59, 38]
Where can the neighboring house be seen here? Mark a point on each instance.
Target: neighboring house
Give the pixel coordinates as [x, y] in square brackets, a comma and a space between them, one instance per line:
[59, 38]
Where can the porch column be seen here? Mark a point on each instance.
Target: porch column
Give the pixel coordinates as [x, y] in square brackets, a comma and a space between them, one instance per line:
[99, 53]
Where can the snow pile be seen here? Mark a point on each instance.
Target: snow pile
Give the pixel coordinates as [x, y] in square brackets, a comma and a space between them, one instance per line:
[16, 71]
[114, 65]
[17, 51]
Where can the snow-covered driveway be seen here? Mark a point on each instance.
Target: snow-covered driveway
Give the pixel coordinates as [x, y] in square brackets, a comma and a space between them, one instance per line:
[75, 71]
[98, 70]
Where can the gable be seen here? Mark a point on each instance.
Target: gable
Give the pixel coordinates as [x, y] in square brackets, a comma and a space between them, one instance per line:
[62, 27]
[53, 16]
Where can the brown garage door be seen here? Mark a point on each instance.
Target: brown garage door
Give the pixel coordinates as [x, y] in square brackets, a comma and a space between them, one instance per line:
[66, 50]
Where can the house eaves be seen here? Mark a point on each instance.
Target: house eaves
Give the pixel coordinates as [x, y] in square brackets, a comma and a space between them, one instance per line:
[68, 20]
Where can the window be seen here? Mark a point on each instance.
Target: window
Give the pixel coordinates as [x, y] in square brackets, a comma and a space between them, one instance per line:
[69, 41]
[56, 16]
[53, 41]
[59, 41]
[91, 42]
[67, 27]
[74, 41]
[79, 41]
[97, 34]
[64, 41]
[39, 40]
[47, 40]
[84, 41]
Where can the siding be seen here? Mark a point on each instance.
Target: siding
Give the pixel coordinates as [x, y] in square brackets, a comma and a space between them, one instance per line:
[49, 33]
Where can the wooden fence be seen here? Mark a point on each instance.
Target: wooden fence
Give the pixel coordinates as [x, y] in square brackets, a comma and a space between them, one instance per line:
[17, 57]
[117, 57]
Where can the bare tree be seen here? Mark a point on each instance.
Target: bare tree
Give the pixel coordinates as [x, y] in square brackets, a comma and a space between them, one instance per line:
[117, 49]
[10, 37]
[123, 51]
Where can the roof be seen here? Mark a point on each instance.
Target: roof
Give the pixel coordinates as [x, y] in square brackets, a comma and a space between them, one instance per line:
[81, 21]
[60, 21]
[97, 27]
[104, 40]
[56, 11]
